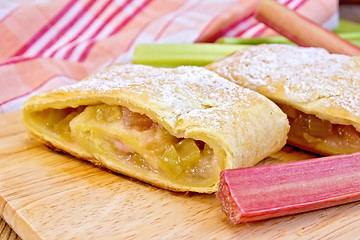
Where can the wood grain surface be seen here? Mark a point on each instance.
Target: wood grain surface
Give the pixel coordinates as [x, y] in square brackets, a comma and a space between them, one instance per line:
[46, 195]
[6, 232]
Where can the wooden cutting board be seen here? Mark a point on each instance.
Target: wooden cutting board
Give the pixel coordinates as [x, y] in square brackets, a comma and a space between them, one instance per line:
[46, 195]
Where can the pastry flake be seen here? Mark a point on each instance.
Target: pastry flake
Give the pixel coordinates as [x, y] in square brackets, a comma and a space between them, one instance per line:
[319, 91]
[172, 128]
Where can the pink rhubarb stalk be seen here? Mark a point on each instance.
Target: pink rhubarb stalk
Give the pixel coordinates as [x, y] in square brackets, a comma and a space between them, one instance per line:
[261, 192]
[300, 30]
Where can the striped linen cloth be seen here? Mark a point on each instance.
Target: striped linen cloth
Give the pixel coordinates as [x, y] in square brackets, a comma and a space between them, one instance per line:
[49, 43]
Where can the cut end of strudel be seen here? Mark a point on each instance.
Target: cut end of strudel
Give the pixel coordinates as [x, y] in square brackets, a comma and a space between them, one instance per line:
[319, 91]
[172, 128]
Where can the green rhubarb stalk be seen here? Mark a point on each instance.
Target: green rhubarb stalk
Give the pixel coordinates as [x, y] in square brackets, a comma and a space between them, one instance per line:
[353, 37]
[346, 26]
[173, 55]
[201, 54]
[254, 41]
[350, 36]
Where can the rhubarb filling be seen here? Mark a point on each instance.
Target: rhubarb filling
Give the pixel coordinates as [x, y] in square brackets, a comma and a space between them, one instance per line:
[126, 138]
[310, 132]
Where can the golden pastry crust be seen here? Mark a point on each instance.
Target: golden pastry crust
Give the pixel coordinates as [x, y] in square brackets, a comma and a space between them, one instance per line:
[308, 79]
[189, 102]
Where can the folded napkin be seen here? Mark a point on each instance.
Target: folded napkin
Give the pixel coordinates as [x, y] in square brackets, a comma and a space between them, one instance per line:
[49, 43]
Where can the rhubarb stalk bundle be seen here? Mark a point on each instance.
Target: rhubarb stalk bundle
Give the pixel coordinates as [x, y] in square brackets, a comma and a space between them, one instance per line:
[261, 192]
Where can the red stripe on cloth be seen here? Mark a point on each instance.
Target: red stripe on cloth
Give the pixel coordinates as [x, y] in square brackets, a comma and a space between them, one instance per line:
[117, 11]
[260, 32]
[66, 27]
[167, 25]
[287, 2]
[45, 28]
[14, 60]
[300, 4]
[242, 31]
[71, 50]
[225, 30]
[118, 28]
[79, 34]
[127, 20]
[131, 43]
[7, 15]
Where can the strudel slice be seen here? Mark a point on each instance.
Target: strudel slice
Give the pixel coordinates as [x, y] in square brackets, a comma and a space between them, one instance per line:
[319, 91]
[172, 128]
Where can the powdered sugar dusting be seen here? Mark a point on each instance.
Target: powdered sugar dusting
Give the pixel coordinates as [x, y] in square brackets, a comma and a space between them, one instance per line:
[189, 102]
[184, 91]
[303, 74]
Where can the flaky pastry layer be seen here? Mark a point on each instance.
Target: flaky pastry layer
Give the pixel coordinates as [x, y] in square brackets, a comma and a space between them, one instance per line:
[322, 86]
[172, 128]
